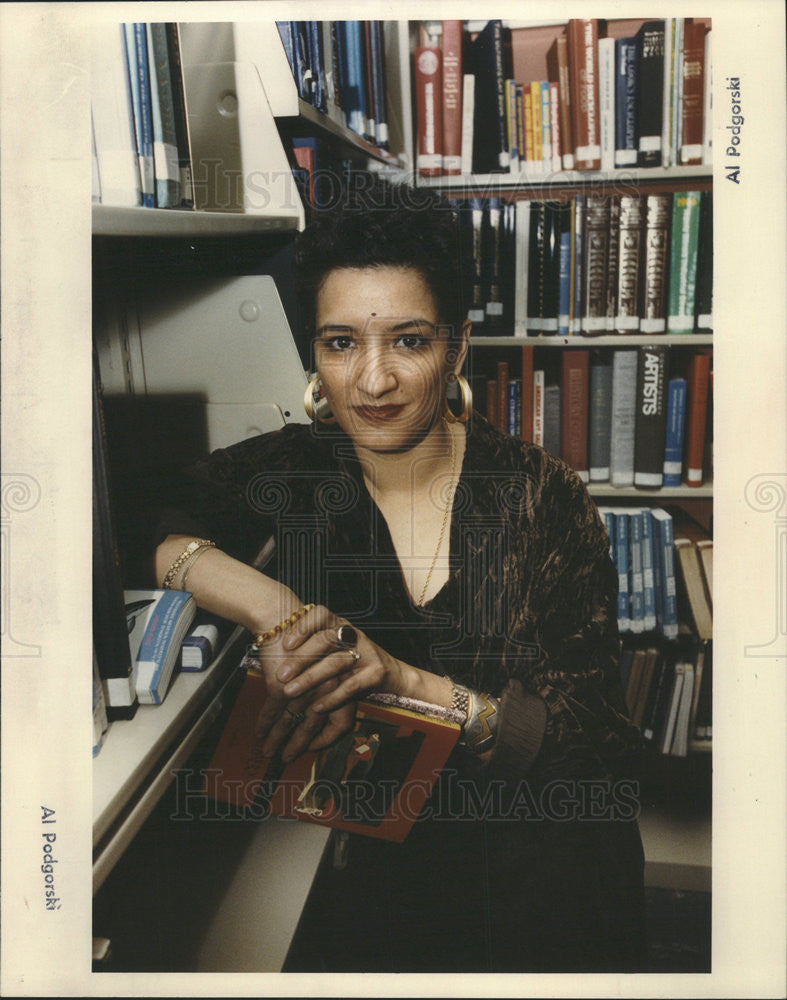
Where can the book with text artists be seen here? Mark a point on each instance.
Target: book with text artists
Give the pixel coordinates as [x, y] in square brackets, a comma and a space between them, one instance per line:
[374, 780]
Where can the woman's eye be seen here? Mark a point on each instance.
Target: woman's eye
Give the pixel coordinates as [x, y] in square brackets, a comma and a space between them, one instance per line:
[411, 341]
[340, 343]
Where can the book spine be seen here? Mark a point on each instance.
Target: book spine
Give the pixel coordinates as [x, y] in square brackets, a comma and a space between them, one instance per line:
[554, 124]
[181, 117]
[535, 286]
[452, 97]
[503, 377]
[353, 91]
[380, 86]
[429, 110]
[491, 401]
[674, 437]
[613, 253]
[654, 298]
[564, 282]
[624, 405]
[468, 113]
[594, 316]
[166, 164]
[606, 94]
[704, 284]
[622, 563]
[521, 129]
[370, 115]
[500, 78]
[578, 263]
[648, 571]
[511, 126]
[600, 419]
[537, 127]
[629, 256]
[566, 106]
[476, 214]
[653, 714]
[522, 264]
[696, 417]
[552, 405]
[667, 90]
[527, 104]
[707, 102]
[650, 76]
[491, 265]
[551, 267]
[538, 407]
[574, 415]
[317, 64]
[650, 425]
[514, 408]
[137, 51]
[546, 127]
[526, 430]
[636, 582]
[626, 136]
[683, 261]
[583, 67]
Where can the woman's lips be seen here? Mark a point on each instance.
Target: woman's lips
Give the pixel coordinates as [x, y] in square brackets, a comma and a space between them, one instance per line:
[378, 414]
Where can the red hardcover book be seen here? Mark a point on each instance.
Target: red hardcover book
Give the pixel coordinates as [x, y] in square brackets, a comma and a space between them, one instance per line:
[527, 393]
[502, 395]
[698, 377]
[452, 97]
[304, 157]
[374, 780]
[693, 93]
[575, 375]
[583, 74]
[557, 71]
[429, 110]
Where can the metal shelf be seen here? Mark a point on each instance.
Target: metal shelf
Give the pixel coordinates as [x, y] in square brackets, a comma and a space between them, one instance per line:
[111, 220]
[665, 493]
[610, 340]
[570, 178]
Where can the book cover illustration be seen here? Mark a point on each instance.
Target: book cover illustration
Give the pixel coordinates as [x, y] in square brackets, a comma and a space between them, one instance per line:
[374, 780]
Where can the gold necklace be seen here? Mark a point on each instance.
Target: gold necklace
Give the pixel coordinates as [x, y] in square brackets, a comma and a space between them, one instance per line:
[448, 504]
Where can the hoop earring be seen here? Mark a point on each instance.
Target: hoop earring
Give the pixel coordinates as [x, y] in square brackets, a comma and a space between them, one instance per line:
[467, 403]
[316, 405]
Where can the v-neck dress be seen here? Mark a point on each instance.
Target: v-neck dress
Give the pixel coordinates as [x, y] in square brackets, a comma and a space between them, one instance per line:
[547, 874]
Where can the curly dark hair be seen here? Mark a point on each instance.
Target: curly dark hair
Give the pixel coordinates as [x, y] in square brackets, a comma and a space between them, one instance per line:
[379, 223]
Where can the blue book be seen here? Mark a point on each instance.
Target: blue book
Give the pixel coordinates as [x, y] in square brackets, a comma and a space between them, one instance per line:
[316, 63]
[648, 575]
[546, 128]
[564, 285]
[285, 33]
[609, 523]
[626, 136]
[166, 159]
[139, 78]
[636, 582]
[579, 244]
[665, 543]
[353, 92]
[158, 621]
[378, 84]
[676, 426]
[622, 563]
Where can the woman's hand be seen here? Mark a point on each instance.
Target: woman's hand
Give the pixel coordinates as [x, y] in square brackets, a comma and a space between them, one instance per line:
[315, 664]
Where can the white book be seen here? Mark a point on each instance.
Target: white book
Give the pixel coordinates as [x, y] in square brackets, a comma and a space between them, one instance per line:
[680, 739]
[468, 110]
[606, 90]
[624, 406]
[522, 243]
[538, 407]
[674, 705]
[677, 92]
[113, 116]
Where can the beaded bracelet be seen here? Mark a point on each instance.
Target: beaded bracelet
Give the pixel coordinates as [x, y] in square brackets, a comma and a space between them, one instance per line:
[190, 563]
[193, 546]
[288, 622]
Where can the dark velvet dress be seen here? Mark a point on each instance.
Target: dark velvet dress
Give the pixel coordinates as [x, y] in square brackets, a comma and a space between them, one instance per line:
[531, 861]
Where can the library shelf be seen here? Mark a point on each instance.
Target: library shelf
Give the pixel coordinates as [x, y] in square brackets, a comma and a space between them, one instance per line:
[113, 220]
[611, 340]
[571, 179]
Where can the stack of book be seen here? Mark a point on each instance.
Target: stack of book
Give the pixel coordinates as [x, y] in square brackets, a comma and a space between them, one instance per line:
[141, 150]
[591, 265]
[157, 621]
[339, 68]
[639, 101]
[668, 689]
[629, 416]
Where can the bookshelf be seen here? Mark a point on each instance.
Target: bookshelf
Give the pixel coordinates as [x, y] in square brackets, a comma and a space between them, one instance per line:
[243, 112]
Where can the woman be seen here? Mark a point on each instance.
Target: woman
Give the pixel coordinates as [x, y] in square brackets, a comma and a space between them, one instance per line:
[473, 572]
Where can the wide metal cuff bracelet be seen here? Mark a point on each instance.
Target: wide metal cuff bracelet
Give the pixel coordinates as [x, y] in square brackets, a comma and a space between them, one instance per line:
[482, 718]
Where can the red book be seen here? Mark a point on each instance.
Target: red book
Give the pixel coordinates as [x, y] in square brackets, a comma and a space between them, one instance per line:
[304, 157]
[583, 78]
[557, 71]
[429, 110]
[502, 395]
[575, 374]
[527, 393]
[452, 97]
[491, 401]
[698, 377]
[693, 93]
[374, 780]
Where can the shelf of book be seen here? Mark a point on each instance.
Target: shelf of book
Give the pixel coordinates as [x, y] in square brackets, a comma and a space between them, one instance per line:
[112, 220]
[663, 493]
[138, 757]
[570, 179]
[310, 119]
[611, 340]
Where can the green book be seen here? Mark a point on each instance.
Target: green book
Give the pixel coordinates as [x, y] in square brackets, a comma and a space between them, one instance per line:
[683, 261]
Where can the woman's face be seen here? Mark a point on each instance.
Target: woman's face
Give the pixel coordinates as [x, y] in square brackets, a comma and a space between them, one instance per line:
[382, 355]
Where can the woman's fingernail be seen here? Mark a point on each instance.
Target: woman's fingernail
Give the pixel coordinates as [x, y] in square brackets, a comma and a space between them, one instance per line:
[318, 708]
[292, 688]
[285, 672]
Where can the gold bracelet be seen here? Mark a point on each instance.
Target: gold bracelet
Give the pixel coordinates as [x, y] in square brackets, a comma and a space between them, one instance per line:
[172, 572]
[200, 552]
[288, 622]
